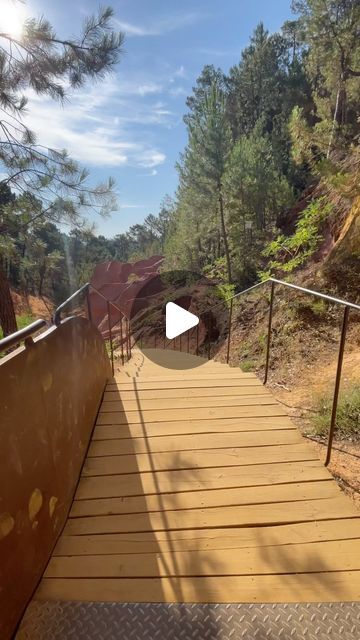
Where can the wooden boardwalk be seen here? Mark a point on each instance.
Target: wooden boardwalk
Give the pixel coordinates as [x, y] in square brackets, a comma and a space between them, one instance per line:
[197, 487]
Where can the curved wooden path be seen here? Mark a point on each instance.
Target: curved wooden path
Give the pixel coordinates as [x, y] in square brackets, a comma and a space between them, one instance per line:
[197, 487]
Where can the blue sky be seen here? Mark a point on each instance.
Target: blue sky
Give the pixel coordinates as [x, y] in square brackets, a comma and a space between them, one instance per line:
[130, 126]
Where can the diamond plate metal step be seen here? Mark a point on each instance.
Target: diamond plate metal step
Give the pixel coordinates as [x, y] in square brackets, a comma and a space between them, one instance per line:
[117, 621]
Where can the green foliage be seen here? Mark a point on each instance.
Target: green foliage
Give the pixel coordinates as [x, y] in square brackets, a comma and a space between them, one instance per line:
[348, 414]
[247, 366]
[22, 321]
[286, 253]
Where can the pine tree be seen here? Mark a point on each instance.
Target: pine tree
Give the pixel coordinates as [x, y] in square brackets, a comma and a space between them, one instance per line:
[331, 31]
[204, 161]
[50, 66]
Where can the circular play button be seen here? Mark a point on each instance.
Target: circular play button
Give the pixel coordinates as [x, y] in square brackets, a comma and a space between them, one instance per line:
[179, 312]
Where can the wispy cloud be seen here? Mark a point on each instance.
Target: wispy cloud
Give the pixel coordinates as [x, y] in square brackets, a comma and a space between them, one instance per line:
[102, 129]
[132, 29]
[161, 26]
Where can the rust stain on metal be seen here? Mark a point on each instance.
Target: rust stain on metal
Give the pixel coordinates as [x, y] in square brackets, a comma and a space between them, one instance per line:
[52, 393]
[52, 505]
[7, 524]
[35, 504]
[47, 381]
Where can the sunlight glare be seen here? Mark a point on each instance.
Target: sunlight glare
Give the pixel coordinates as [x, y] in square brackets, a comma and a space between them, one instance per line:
[12, 18]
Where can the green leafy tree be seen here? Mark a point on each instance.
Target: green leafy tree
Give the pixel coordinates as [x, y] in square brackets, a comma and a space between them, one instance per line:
[204, 161]
[256, 193]
[331, 30]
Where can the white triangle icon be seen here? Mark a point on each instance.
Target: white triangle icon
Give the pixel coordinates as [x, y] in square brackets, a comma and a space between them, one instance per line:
[178, 320]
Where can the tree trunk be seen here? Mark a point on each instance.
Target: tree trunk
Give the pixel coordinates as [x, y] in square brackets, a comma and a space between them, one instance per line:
[7, 313]
[41, 280]
[225, 238]
[339, 115]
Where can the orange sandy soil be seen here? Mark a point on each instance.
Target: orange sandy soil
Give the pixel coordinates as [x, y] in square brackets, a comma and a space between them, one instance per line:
[345, 459]
[33, 305]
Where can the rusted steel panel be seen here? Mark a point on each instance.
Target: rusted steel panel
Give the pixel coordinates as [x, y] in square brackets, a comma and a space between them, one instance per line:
[121, 282]
[50, 395]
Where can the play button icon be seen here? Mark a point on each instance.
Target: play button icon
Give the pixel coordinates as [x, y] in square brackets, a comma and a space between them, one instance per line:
[177, 311]
[178, 320]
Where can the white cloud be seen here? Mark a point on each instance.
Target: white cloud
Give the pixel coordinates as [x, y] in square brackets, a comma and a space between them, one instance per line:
[132, 29]
[180, 72]
[161, 26]
[149, 159]
[100, 126]
[151, 87]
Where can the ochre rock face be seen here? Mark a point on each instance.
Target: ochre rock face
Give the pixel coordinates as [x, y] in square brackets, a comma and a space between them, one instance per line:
[121, 283]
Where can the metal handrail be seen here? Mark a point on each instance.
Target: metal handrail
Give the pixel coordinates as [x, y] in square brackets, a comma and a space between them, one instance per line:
[23, 334]
[86, 289]
[274, 281]
[347, 306]
[63, 305]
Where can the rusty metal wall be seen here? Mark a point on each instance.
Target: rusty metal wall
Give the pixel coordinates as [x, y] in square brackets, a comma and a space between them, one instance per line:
[50, 393]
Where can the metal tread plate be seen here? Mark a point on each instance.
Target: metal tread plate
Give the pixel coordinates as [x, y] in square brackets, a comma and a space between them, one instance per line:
[60, 620]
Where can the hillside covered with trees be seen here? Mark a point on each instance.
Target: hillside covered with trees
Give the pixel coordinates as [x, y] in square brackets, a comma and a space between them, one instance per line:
[269, 177]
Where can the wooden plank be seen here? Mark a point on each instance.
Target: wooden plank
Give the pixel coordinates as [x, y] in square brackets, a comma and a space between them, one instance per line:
[192, 442]
[159, 404]
[183, 383]
[342, 586]
[214, 498]
[170, 481]
[202, 539]
[181, 427]
[168, 415]
[247, 516]
[141, 462]
[298, 558]
[185, 394]
[188, 375]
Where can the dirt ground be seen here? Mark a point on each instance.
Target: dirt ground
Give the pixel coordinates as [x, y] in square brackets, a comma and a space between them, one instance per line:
[302, 369]
[298, 401]
[32, 305]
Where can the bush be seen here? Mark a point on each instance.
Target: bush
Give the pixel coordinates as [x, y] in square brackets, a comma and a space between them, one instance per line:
[247, 365]
[348, 415]
[286, 253]
[22, 321]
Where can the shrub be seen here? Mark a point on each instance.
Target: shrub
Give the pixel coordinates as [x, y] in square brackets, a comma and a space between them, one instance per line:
[348, 414]
[286, 253]
[247, 365]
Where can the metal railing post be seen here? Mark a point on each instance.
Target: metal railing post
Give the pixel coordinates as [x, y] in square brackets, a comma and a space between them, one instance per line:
[89, 314]
[269, 332]
[229, 334]
[110, 337]
[337, 384]
[209, 344]
[129, 333]
[122, 339]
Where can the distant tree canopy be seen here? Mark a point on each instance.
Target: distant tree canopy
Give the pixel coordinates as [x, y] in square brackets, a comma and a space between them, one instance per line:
[40, 259]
